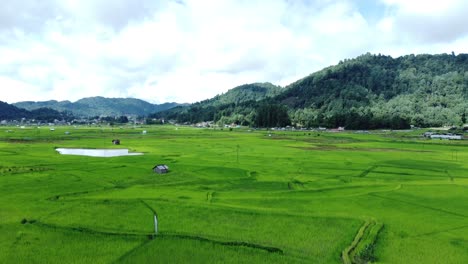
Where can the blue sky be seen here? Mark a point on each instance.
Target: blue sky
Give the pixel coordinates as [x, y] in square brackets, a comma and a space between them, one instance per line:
[372, 10]
[191, 50]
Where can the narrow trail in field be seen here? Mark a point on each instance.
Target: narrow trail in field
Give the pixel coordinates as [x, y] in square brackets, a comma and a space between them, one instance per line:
[225, 243]
[367, 171]
[148, 206]
[150, 236]
[361, 249]
[58, 196]
[441, 231]
[90, 231]
[219, 242]
[131, 251]
[346, 254]
[420, 205]
[398, 187]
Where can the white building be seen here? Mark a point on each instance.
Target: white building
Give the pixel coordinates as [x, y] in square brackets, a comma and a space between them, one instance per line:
[448, 136]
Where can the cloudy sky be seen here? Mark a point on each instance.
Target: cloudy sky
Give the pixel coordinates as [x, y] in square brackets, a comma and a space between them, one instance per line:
[190, 50]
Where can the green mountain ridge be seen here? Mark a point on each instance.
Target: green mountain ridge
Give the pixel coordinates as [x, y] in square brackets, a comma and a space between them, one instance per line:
[235, 106]
[100, 106]
[370, 91]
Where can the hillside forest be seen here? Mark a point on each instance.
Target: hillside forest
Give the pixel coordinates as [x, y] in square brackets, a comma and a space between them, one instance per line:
[370, 91]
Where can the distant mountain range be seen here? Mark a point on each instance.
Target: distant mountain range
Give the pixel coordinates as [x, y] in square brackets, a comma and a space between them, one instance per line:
[11, 112]
[100, 106]
[370, 91]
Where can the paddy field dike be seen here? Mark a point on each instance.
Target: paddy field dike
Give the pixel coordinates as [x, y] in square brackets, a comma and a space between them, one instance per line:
[240, 196]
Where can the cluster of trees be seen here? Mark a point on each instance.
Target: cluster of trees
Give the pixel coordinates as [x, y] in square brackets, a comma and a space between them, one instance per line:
[113, 119]
[353, 119]
[272, 115]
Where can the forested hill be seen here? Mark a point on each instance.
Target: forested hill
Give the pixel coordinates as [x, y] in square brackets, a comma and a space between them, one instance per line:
[11, 112]
[243, 93]
[238, 105]
[370, 91]
[379, 91]
[100, 106]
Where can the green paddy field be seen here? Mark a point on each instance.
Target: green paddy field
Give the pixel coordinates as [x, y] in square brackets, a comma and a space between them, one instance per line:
[236, 196]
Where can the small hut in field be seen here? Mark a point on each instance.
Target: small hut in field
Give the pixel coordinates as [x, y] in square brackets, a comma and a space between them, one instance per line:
[161, 169]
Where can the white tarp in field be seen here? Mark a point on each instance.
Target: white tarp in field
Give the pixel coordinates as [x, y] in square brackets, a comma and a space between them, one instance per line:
[96, 152]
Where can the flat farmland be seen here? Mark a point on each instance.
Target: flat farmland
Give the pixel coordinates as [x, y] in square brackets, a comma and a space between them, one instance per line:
[240, 196]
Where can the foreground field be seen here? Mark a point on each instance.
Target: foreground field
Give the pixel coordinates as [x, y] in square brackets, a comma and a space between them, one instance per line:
[232, 197]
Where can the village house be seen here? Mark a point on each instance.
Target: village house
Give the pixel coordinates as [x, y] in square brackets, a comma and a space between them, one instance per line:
[161, 169]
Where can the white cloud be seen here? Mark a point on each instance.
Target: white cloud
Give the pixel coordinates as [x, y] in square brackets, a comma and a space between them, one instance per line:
[423, 7]
[426, 22]
[16, 90]
[191, 50]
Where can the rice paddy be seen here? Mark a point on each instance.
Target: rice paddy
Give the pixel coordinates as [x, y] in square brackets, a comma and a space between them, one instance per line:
[241, 196]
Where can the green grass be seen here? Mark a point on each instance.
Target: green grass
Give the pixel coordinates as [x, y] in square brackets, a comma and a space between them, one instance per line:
[232, 197]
